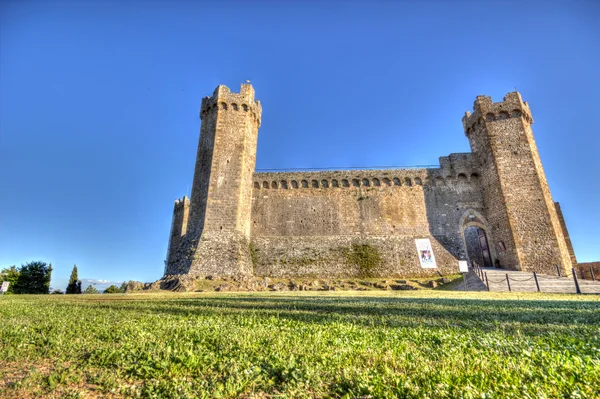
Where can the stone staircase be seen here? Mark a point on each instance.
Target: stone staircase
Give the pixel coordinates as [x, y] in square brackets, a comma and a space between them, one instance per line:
[496, 279]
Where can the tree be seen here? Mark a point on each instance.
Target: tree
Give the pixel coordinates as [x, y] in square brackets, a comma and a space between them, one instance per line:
[34, 278]
[11, 275]
[57, 291]
[113, 289]
[90, 290]
[123, 287]
[74, 286]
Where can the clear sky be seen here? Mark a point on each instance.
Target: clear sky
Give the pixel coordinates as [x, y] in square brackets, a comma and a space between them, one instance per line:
[99, 106]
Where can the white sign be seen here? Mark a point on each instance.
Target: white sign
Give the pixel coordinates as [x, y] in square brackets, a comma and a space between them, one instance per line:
[425, 253]
[4, 287]
[463, 266]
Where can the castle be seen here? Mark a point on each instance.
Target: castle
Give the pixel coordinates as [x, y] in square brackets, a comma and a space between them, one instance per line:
[490, 207]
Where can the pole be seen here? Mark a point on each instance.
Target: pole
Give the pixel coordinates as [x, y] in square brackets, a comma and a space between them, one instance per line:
[487, 282]
[577, 289]
[537, 283]
[465, 281]
[508, 282]
[592, 273]
[558, 270]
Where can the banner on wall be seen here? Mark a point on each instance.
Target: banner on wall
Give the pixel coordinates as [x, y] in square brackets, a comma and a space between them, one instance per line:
[425, 253]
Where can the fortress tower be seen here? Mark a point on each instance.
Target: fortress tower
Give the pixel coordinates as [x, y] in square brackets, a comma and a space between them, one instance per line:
[218, 229]
[523, 219]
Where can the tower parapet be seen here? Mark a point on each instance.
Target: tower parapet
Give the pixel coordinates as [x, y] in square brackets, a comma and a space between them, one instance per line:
[223, 99]
[484, 110]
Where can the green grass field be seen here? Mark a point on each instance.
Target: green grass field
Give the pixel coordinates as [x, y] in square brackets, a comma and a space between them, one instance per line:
[420, 344]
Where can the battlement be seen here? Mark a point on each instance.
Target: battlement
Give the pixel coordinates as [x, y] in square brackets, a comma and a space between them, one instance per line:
[454, 169]
[484, 110]
[457, 162]
[225, 101]
[181, 203]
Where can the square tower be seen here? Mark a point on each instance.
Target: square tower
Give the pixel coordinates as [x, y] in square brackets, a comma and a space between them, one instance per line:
[218, 225]
[525, 227]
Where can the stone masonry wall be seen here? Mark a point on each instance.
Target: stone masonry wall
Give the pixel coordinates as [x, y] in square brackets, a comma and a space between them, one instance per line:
[328, 256]
[587, 268]
[305, 223]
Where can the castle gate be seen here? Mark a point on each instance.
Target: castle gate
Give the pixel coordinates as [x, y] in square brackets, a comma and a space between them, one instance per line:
[473, 230]
[478, 250]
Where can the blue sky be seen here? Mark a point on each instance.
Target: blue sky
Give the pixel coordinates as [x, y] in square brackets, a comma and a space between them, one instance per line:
[99, 106]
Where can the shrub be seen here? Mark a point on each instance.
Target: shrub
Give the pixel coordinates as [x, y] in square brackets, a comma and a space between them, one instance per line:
[113, 289]
[34, 278]
[10, 275]
[90, 290]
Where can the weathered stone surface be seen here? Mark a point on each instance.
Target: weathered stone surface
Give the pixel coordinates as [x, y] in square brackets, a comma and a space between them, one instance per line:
[307, 224]
[589, 270]
[223, 287]
[523, 221]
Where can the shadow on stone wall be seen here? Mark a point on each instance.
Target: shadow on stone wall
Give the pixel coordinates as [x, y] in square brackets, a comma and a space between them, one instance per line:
[447, 198]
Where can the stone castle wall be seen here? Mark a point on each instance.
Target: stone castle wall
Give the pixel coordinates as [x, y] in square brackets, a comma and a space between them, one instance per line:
[327, 223]
[306, 223]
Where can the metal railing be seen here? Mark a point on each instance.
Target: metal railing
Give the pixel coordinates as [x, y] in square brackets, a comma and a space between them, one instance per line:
[489, 280]
[346, 168]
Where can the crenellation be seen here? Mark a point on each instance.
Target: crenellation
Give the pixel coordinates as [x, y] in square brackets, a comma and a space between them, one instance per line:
[224, 100]
[491, 206]
[363, 178]
[484, 110]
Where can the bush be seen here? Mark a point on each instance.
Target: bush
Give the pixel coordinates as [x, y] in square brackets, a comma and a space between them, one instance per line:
[34, 278]
[113, 289]
[90, 290]
[10, 275]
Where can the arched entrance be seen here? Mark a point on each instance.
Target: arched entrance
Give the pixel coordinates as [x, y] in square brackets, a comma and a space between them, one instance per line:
[478, 250]
[473, 230]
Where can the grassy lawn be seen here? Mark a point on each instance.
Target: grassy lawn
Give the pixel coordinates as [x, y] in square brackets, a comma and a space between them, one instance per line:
[417, 344]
